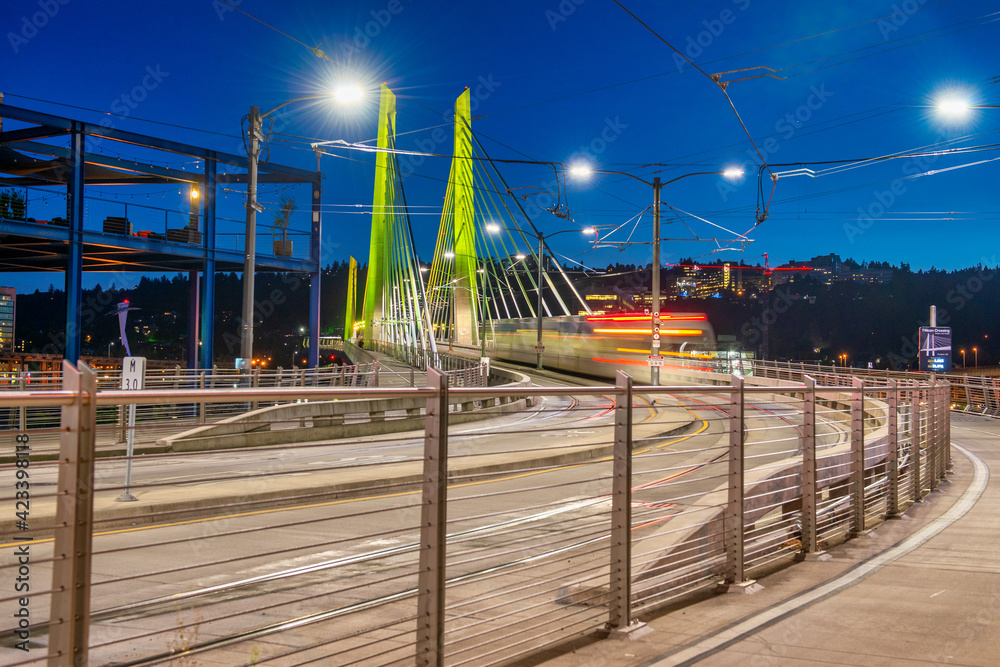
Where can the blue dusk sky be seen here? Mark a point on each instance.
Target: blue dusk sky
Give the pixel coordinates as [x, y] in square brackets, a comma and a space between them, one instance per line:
[825, 90]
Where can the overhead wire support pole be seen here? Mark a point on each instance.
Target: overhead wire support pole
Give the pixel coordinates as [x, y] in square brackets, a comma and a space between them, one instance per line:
[250, 249]
[657, 185]
[654, 354]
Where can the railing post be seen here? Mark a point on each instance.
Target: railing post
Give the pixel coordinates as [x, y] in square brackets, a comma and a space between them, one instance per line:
[810, 541]
[942, 410]
[939, 432]
[71, 553]
[916, 417]
[201, 406]
[255, 383]
[949, 467]
[433, 525]
[892, 460]
[857, 486]
[732, 527]
[933, 435]
[621, 509]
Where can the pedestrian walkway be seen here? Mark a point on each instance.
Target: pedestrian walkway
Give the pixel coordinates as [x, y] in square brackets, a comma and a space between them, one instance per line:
[393, 373]
[925, 589]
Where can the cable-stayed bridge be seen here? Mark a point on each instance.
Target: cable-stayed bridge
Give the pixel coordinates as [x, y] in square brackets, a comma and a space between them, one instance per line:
[489, 257]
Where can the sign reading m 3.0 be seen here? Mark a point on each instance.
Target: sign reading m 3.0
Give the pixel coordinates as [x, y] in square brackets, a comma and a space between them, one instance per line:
[133, 373]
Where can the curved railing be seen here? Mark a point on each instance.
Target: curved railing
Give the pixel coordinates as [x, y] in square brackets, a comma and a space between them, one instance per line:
[594, 505]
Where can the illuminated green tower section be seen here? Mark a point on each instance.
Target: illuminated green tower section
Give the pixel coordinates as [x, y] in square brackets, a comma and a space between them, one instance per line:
[379, 254]
[352, 299]
[465, 298]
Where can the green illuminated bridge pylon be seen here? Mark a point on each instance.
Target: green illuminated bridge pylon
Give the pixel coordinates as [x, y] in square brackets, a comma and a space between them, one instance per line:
[486, 257]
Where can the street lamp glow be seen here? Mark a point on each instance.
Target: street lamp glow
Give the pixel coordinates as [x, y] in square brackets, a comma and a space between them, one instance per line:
[194, 193]
[519, 257]
[449, 255]
[581, 170]
[348, 93]
[733, 172]
[492, 228]
[589, 230]
[954, 107]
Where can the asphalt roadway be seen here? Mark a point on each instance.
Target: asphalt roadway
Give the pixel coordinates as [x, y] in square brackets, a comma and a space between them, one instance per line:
[922, 590]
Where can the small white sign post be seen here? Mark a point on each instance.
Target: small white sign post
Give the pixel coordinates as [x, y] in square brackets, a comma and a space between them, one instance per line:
[133, 379]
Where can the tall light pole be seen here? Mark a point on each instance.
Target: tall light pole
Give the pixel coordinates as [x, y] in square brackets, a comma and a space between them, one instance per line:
[963, 357]
[975, 350]
[654, 353]
[539, 313]
[345, 94]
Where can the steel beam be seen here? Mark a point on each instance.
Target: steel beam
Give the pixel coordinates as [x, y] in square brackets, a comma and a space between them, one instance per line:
[74, 253]
[26, 133]
[206, 324]
[39, 118]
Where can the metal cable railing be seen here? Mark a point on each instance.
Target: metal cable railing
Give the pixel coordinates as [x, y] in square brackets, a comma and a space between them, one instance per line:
[471, 545]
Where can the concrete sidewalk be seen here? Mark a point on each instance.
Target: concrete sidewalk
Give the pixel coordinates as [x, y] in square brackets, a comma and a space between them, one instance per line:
[925, 589]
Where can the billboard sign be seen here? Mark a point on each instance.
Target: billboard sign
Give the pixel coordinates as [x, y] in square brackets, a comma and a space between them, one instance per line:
[935, 349]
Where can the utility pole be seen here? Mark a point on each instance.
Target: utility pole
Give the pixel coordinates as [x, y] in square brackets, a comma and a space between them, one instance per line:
[654, 355]
[249, 268]
[764, 351]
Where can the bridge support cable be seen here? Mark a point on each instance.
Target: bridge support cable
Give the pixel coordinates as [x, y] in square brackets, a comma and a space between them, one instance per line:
[583, 303]
[404, 291]
[504, 247]
[415, 291]
[394, 300]
[530, 241]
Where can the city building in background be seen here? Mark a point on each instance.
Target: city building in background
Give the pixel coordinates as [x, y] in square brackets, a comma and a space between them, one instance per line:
[829, 269]
[8, 310]
[602, 304]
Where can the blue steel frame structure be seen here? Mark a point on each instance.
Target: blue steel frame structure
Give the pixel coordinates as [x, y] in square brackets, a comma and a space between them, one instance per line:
[76, 168]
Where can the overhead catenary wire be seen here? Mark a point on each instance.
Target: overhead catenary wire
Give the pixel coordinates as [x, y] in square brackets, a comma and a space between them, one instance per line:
[713, 78]
[707, 62]
[315, 49]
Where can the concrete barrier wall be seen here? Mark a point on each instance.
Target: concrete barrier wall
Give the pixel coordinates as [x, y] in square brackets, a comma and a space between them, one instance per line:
[324, 420]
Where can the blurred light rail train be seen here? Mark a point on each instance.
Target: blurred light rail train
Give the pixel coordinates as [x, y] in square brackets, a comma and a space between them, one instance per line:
[599, 345]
